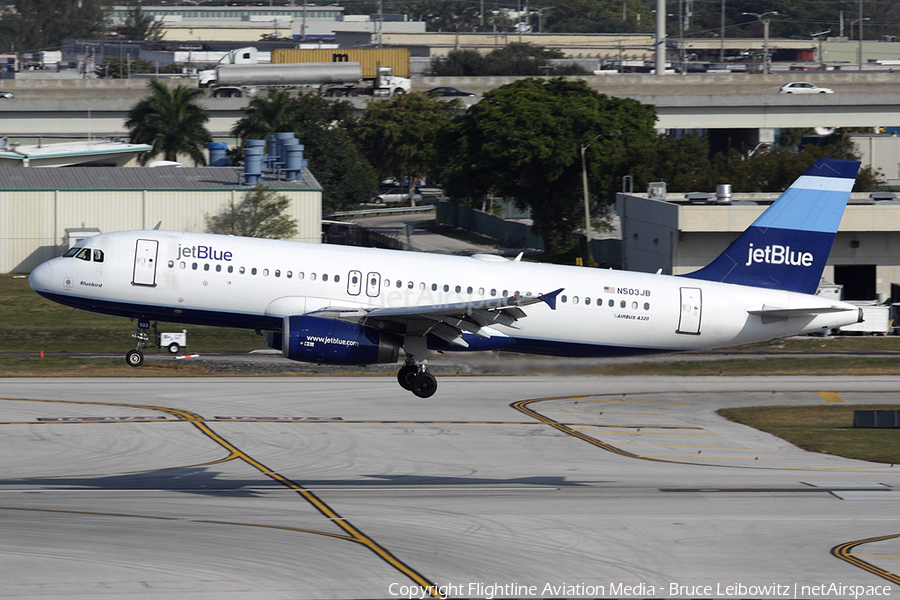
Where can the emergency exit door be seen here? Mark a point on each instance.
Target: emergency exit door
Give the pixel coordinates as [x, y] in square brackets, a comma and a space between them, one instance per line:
[145, 263]
[691, 310]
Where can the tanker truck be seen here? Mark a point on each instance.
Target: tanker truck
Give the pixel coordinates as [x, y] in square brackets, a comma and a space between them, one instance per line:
[343, 79]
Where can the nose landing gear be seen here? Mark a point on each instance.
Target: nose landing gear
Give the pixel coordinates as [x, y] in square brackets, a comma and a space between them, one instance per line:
[135, 358]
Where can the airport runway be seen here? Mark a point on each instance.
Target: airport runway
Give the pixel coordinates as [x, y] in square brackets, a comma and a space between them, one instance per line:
[530, 486]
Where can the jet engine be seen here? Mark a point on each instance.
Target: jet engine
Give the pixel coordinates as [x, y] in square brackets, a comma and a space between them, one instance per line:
[331, 341]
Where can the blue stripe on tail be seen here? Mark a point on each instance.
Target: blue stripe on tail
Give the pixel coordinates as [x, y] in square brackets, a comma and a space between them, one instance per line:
[787, 246]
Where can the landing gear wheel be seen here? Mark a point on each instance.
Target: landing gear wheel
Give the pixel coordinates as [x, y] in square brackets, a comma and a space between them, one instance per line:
[424, 385]
[174, 348]
[134, 358]
[406, 375]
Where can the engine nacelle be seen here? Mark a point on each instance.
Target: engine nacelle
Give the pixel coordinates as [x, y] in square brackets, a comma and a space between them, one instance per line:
[331, 341]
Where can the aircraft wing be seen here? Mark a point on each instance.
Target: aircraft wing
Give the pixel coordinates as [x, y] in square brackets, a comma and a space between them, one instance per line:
[446, 321]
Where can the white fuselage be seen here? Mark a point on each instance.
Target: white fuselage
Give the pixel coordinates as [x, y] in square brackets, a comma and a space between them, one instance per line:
[243, 282]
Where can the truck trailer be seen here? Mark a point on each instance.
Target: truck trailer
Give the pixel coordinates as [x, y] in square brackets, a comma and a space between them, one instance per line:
[329, 79]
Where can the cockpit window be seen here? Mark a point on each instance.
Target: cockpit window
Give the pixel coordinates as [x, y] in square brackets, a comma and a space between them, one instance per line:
[71, 252]
[85, 254]
[98, 255]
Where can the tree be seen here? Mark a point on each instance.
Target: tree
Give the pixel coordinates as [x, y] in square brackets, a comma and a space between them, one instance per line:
[260, 214]
[44, 24]
[590, 16]
[138, 26]
[510, 60]
[116, 68]
[398, 135]
[523, 140]
[171, 121]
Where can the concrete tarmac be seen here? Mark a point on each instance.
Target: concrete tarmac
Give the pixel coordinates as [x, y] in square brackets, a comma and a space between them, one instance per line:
[525, 487]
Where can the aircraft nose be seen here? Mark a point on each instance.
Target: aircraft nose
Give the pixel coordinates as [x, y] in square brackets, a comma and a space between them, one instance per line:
[41, 277]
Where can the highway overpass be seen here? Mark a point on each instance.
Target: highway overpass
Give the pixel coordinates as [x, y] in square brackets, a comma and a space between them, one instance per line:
[53, 118]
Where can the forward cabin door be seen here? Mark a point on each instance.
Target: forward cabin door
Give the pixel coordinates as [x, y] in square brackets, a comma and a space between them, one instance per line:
[691, 309]
[145, 263]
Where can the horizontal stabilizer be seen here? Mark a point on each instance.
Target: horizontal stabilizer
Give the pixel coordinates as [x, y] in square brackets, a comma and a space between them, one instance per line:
[776, 312]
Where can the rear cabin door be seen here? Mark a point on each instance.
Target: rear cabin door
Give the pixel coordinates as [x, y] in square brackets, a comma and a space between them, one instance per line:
[145, 263]
[691, 309]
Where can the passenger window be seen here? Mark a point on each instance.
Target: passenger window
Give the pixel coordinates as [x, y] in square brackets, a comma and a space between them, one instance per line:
[493, 292]
[612, 303]
[563, 298]
[622, 304]
[399, 284]
[194, 266]
[481, 291]
[505, 293]
[98, 255]
[325, 277]
[85, 254]
[253, 271]
[182, 264]
[458, 289]
[337, 278]
[300, 275]
[242, 270]
[587, 301]
[409, 285]
[574, 299]
[206, 266]
[634, 305]
[354, 280]
[312, 276]
[421, 286]
[230, 269]
[469, 290]
[646, 306]
[265, 272]
[446, 288]
[387, 283]
[433, 287]
[218, 268]
[288, 274]
[277, 272]
[171, 264]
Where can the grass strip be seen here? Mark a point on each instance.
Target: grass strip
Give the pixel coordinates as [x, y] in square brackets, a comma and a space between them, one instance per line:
[826, 429]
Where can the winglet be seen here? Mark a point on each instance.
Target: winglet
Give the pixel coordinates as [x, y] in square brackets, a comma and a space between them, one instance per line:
[550, 298]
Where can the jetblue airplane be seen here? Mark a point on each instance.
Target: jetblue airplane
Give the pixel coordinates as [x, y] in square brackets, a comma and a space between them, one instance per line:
[358, 306]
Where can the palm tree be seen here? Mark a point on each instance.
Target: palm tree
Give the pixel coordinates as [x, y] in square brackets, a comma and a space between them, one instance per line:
[171, 121]
[276, 112]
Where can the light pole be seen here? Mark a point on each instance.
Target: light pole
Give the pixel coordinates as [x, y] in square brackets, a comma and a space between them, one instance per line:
[587, 208]
[765, 19]
[820, 36]
[859, 52]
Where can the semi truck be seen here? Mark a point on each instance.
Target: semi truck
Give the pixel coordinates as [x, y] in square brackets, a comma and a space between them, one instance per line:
[339, 79]
[369, 58]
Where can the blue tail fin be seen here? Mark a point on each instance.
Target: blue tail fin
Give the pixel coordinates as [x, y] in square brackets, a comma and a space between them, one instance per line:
[787, 246]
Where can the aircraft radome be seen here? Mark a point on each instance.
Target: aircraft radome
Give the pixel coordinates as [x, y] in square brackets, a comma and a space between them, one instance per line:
[358, 306]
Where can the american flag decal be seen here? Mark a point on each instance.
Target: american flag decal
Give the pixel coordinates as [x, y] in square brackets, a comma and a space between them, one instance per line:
[609, 290]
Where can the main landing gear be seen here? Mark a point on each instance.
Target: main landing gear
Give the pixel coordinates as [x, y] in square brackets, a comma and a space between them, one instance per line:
[415, 378]
[135, 358]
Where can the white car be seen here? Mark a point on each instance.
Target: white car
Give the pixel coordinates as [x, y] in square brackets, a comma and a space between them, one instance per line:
[392, 195]
[803, 87]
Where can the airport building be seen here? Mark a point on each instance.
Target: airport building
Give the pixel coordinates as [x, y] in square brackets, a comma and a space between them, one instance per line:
[45, 211]
[677, 235]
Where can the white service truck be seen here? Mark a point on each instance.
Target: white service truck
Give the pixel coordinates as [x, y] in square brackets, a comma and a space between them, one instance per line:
[239, 73]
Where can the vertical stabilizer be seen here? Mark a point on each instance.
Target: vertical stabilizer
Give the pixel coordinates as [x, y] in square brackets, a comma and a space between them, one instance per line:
[787, 246]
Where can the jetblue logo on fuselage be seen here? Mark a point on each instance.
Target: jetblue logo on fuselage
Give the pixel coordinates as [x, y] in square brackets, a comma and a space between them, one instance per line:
[779, 255]
[204, 252]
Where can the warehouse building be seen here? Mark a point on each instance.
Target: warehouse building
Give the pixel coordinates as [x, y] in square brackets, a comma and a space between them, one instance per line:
[678, 235]
[44, 211]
